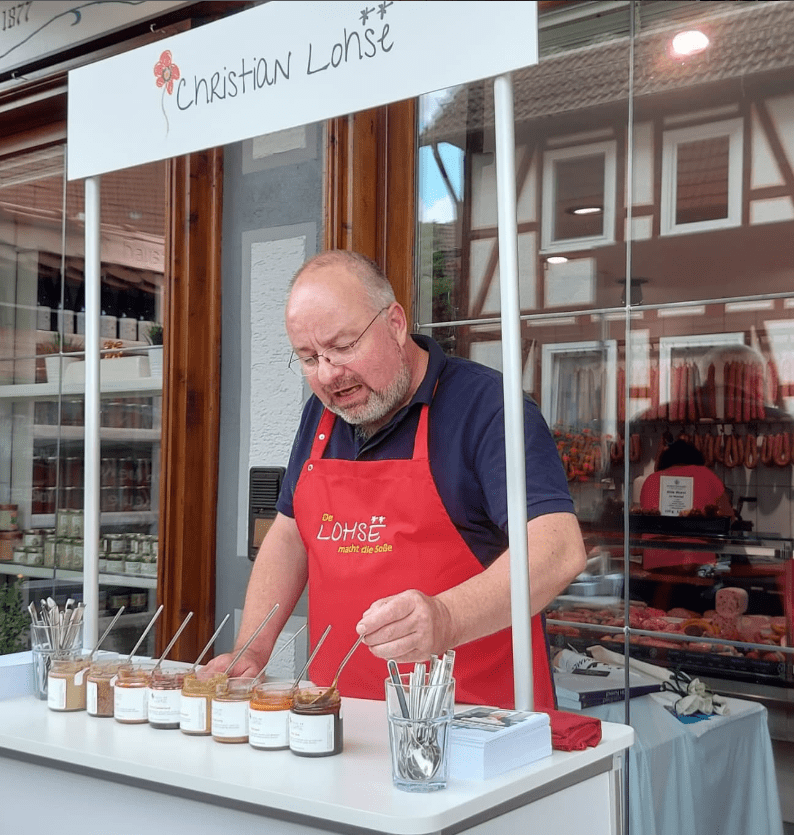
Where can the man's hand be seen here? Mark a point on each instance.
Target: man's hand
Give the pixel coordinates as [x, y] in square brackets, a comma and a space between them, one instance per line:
[247, 666]
[409, 626]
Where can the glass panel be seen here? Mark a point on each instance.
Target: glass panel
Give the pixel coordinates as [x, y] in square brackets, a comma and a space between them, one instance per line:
[562, 165]
[42, 388]
[697, 260]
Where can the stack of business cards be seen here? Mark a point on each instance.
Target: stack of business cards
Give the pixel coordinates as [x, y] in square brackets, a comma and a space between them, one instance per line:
[487, 741]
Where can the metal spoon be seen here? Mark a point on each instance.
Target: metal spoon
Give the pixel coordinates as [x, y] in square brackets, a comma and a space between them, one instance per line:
[250, 641]
[311, 657]
[146, 631]
[173, 640]
[276, 654]
[209, 643]
[329, 692]
[106, 632]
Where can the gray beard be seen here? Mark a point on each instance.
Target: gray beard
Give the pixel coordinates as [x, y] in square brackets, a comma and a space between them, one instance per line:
[367, 418]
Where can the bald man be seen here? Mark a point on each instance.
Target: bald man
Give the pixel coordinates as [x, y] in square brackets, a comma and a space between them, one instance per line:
[394, 504]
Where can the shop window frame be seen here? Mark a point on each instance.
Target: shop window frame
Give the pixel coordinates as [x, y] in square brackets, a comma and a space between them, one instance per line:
[549, 244]
[733, 129]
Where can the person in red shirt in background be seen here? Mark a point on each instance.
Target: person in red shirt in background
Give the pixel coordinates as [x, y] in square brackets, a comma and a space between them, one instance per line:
[682, 459]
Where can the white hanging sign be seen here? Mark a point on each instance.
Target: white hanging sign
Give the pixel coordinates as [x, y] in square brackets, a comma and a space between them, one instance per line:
[675, 494]
[279, 65]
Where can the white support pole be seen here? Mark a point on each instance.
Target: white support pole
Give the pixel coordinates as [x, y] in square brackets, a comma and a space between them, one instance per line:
[513, 390]
[92, 410]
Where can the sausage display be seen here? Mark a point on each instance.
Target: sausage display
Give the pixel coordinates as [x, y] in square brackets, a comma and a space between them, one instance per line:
[766, 450]
[783, 449]
[729, 456]
[750, 451]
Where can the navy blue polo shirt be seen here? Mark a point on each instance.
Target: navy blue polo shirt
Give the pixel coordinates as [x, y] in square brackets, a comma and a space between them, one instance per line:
[466, 447]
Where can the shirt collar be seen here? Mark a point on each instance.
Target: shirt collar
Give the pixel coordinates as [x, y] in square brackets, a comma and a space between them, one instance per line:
[423, 395]
[435, 365]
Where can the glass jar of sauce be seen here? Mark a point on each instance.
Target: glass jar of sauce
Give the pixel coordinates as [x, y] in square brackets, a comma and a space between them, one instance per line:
[195, 713]
[165, 698]
[66, 682]
[315, 722]
[268, 715]
[230, 710]
[100, 682]
[130, 703]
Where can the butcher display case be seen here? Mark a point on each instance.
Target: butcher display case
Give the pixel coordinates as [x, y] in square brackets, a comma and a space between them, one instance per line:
[728, 617]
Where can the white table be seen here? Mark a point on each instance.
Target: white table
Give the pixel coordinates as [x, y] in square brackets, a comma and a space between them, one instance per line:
[94, 775]
[714, 777]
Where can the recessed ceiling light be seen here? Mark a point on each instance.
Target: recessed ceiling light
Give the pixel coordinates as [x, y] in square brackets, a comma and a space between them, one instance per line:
[556, 259]
[586, 210]
[689, 43]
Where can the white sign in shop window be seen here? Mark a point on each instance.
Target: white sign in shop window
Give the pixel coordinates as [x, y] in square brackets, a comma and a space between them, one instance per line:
[279, 65]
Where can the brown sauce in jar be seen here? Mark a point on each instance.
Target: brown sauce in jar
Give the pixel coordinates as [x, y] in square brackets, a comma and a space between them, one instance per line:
[315, 727]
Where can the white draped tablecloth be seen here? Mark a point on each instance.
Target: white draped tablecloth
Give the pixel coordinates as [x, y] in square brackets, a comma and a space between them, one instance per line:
[712, 777]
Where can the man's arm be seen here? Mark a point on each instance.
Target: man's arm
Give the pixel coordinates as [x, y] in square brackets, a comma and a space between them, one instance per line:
[278, 576]
[411, 626]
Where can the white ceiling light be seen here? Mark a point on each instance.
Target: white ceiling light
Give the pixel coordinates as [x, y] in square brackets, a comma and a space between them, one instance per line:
[557, 259]
[689, 43]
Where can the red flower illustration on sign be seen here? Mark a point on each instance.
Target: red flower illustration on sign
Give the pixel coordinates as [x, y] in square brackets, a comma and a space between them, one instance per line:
[167, 72]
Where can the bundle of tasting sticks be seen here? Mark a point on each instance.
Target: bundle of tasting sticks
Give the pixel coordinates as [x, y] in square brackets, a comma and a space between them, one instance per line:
[61, 628]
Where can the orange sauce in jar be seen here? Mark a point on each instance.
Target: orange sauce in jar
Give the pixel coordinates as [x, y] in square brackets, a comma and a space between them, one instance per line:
[268, 715]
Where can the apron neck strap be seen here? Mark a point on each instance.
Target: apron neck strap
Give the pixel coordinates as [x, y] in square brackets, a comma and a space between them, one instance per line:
[323, 435]
[326, 425]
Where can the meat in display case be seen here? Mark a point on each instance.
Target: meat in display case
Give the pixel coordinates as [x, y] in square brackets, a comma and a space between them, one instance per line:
[728, 619]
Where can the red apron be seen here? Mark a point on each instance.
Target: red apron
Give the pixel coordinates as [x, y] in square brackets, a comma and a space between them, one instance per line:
[373, 529]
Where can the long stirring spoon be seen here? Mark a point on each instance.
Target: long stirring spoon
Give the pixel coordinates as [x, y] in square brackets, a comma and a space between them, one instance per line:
[250, 641]
[394, 674]
[329, 692]
[173, 640]
[311, 657]
[106, 632]
[209, 644]
[276, 654]
[146, 631]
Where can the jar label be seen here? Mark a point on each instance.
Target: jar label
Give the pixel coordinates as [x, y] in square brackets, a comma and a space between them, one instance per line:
[79, 676]
[56, 693]
[129, 703]
[268, 728]
[90, 698]
[193, 713]
[311, 734]
[229, 719]
[165, 705]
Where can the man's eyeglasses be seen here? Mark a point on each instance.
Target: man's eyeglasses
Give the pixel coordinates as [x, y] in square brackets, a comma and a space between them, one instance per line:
[338, 355]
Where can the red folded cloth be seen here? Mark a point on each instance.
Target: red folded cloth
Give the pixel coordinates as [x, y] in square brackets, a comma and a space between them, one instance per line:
[572, 731]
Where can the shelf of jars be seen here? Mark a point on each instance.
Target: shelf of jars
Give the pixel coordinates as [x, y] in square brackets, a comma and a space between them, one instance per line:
[77, 433]
[28, 391]
[107, 520]
[138, 581]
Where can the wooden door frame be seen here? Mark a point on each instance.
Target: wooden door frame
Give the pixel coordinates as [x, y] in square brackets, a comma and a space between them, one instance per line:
[191, 400]
[370, 202]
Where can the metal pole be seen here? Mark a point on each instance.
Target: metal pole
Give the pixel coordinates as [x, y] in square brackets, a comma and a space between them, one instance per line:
[92, 410]
[513, 391]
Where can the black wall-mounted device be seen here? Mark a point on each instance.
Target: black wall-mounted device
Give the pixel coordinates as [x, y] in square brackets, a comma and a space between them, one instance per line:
[264, 484]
